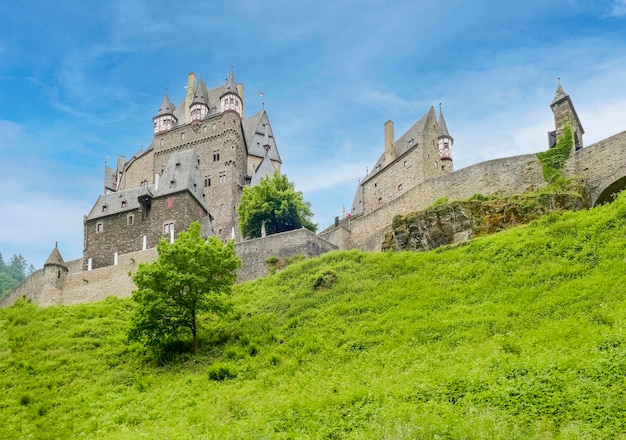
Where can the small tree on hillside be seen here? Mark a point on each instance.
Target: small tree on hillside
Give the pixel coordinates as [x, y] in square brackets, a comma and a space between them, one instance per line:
[190, 276]
[275, 203]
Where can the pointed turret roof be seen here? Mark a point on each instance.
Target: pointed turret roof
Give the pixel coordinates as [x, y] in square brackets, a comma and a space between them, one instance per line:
[560, 94]
[231, 86]
[202, 95]
[443, 128]
[55, 257]
[166, 108]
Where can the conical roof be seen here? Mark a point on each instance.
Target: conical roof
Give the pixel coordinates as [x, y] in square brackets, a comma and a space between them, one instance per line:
[443, 128]
[231, 86]
[202, 95]
[55, 258]
[559, 95]
[166, 108]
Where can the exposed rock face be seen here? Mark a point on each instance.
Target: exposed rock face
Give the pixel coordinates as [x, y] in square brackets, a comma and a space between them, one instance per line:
[459, 221]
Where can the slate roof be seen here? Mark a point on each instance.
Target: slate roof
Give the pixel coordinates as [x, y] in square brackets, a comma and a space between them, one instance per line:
[202, 94]
[181, 173]
[443, 128]
[231, 86]
[265, 168]
[120, 201]
[559, 95]
[55, 258]
[110, 177]
[406, 142]
[254, 133]
[166, 108]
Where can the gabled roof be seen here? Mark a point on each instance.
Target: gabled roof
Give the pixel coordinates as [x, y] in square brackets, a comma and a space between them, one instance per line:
[264, 169]
[166, 108]
[202, 94]
[409, 140]
[110, 177]
[55, 258]
[561, 96]
[182, 173]
[254, 132]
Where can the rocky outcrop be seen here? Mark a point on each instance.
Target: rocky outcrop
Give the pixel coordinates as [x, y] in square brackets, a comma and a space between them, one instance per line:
[454, 222]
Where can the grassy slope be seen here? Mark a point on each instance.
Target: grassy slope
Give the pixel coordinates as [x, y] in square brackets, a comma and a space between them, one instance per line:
[518, 335]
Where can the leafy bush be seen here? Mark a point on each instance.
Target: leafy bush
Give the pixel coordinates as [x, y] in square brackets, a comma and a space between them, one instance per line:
[220, 372]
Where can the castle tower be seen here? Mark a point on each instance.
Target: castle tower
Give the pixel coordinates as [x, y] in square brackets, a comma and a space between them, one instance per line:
[444, 143]
[564, 114]
[165, 120]
[54, 269]
[200, 104]
[231, 100]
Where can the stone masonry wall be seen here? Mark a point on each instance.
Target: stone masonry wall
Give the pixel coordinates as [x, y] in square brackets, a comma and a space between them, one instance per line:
[297, 242]
[511, 175]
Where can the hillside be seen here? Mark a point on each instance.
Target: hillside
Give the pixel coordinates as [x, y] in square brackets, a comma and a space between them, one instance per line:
[514, 336]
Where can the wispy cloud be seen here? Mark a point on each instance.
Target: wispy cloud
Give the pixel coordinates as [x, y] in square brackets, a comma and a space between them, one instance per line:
[619, 8]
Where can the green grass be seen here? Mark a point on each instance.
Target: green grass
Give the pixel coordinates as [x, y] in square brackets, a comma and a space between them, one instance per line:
[514, 336]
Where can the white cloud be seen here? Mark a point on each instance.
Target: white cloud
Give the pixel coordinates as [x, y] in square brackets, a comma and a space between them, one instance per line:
[619, 8]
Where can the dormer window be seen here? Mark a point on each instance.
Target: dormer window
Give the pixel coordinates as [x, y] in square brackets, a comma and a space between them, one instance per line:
[123, 203]
[172, 184]
[104, 208]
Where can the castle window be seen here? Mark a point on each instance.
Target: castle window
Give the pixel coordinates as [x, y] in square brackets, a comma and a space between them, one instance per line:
[380, 200]
[214, 126]
[400, 187]
[99, 227]
[207, 181]
[221, 206]
[205, 129]
[130, 220]
[162, 142]
[172, 183]
[436, 164]
[123, 203]
[222, 176]
[168, 227]
[405, 163]
[182, 136]
[216, 155]
[104, 208]
[376, 185]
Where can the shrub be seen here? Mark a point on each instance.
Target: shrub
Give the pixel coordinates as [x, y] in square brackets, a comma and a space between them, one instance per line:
[220, 372]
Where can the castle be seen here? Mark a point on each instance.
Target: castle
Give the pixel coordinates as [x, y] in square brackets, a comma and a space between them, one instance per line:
[205, 152]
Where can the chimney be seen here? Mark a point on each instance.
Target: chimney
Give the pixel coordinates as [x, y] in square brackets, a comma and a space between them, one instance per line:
[191, 89]
[390, 149]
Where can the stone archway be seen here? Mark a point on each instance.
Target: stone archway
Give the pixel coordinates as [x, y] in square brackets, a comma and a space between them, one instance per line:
[609, 194]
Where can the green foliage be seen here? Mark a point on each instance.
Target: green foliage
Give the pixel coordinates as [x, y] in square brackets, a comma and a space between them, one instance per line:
[276, 202]
[190, 276]
[439, 202]
[12, 274]
[220, 372]
[554, 159]
[514, 336]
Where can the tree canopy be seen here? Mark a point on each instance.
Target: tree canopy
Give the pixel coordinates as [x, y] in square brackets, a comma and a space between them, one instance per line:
[275, 203]
[190, 276]
[13, 273]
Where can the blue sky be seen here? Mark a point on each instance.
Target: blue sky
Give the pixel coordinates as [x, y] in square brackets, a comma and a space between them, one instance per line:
[80, 81]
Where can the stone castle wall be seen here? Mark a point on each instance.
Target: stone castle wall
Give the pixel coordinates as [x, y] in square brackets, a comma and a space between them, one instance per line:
[506, 176]
[95, 285]
[285, 244]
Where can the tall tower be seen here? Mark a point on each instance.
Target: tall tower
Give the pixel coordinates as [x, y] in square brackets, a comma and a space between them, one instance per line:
[564, 114]
[165, 120]
[444, 143]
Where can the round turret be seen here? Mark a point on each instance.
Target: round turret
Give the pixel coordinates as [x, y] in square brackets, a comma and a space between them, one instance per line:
[165, 120]
[230, 100]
